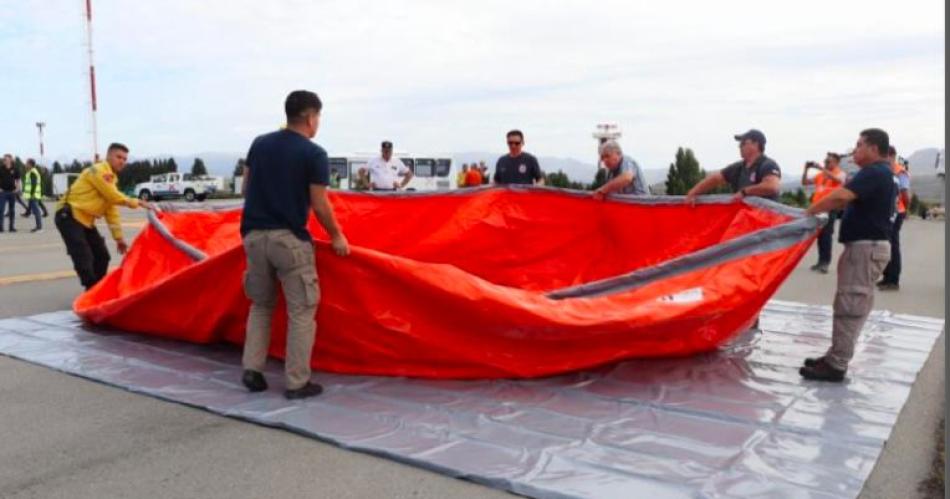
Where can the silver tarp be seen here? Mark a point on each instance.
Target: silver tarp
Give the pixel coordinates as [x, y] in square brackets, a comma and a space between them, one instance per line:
[736, 423]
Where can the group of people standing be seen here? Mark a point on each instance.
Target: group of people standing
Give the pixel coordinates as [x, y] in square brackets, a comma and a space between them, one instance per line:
[287, 176]
[831, 176]
[25, 190]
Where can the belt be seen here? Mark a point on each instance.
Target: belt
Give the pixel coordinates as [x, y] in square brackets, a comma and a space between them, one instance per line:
[868, 242]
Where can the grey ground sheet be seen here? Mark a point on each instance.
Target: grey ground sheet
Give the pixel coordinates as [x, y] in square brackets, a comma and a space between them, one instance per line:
[735, 423]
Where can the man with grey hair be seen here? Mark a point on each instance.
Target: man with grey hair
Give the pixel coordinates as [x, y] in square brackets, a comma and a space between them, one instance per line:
[623, 173]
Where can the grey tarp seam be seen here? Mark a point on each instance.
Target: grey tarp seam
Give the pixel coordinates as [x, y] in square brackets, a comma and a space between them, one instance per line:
[755, 243]
[191, 251]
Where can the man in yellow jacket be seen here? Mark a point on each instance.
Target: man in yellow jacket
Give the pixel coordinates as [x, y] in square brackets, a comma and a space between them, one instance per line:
[93, 195]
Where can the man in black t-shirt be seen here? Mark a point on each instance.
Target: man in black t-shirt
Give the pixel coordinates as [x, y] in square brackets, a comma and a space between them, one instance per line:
[517, 167]
[754, 175]
[868, 200]
[286, 176]
[9, 185]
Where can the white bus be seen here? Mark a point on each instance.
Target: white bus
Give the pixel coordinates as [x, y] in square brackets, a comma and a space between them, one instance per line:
[430, 173]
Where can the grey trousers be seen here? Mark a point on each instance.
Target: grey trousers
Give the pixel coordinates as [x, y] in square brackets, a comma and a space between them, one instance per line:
[859, 268]
[279, 256]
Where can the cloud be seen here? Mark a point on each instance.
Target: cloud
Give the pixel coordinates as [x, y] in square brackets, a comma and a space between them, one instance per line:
[181, 76]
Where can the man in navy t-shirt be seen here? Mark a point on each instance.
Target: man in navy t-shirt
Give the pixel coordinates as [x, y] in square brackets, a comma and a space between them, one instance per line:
[517, 167]
[868, 200]
[286, 176]
[754, 175]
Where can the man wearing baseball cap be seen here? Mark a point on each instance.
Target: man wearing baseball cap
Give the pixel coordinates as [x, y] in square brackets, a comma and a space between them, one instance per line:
[754, 175]
[384, 171]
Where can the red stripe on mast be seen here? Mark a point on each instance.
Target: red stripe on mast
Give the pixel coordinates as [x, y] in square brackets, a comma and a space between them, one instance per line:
[92, 85]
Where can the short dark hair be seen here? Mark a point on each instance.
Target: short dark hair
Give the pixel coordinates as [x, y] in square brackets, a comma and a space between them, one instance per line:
[878, 138]
[891, 151]
[30, 162]
[836, 156]
[515, 132]
[299, 102]
[117, 145]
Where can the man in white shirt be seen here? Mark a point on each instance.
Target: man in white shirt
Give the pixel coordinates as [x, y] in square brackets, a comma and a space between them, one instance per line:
[384, 172]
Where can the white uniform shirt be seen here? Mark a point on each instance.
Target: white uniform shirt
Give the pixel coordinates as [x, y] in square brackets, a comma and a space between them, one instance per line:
[383, 174]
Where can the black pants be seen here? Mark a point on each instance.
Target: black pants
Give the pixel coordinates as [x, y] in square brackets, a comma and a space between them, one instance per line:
[826, 240]
[86, 248]
[892, 273]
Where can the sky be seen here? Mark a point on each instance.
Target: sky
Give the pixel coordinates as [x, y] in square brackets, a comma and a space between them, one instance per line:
[185, 77]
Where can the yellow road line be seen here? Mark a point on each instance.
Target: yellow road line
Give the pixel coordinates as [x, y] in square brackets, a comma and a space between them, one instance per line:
[40, 276]
[29, 247]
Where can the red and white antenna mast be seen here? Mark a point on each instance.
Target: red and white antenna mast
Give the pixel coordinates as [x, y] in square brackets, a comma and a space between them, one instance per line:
[92, 83]
[39, 129]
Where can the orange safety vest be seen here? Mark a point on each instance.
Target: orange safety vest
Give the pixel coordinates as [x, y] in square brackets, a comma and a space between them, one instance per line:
[824, 184]
[898, 169]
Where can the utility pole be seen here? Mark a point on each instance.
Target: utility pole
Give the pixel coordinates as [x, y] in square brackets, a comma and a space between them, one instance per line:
[39, 130]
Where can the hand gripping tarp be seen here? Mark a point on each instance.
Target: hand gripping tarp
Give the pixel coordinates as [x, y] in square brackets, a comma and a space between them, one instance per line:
[483, 283]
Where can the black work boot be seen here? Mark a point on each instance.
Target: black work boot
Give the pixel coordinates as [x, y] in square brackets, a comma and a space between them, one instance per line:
[822, 371]
[308, 390]
[810, 361]
[254, 381]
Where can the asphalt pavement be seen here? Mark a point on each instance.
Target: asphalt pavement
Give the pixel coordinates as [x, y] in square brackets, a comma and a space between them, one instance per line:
[68, 437]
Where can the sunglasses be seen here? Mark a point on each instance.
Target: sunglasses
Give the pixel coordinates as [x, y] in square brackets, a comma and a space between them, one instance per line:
[514, 143]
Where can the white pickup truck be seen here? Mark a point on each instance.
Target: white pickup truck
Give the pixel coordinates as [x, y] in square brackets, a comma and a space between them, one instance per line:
[177, 185]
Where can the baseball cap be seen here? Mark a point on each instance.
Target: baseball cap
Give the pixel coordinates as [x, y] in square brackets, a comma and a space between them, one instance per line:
[754, 135]
[387, 144]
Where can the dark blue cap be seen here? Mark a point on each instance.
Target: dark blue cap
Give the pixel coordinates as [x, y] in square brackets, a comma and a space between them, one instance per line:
[754, 135]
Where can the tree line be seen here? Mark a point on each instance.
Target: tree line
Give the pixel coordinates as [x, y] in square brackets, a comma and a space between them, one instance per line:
[683, 173]
[135, 172]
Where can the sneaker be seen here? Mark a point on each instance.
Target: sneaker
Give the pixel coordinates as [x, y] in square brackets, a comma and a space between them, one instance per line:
[12, 229]
[308, 390]
[815, 267]
[25, 215]
[254, 381]
[822, 371]
[36, 230]
[888, 286]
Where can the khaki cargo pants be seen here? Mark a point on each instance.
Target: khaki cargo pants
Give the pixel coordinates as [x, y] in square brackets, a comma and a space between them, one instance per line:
[278, 255]
[859, 268]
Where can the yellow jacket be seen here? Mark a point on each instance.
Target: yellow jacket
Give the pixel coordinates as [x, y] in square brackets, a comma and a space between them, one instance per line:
[94, 194]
